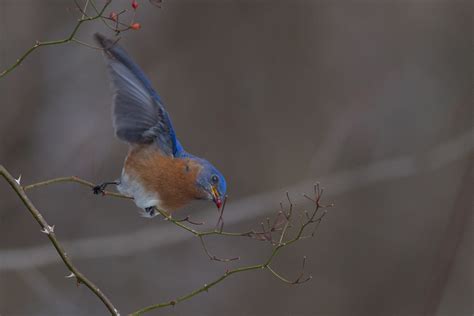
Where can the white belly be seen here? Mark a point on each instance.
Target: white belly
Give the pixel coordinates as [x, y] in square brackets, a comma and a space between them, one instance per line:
[131, 186]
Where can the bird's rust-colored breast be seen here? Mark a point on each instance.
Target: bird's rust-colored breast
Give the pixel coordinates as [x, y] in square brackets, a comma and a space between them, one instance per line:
[173, 179]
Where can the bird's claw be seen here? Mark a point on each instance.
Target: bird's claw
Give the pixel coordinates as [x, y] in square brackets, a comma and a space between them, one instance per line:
[99, 189]
[150, 211]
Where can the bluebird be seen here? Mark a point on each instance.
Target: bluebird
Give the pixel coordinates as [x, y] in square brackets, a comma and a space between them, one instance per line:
[157, 172]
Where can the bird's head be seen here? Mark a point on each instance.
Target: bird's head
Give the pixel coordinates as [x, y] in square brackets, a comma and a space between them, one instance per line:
[211, 183]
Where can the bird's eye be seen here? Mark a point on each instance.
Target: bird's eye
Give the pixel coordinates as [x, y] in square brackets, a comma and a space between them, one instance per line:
[214, 179]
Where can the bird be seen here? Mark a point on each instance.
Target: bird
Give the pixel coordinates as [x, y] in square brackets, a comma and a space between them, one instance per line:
[158, 172]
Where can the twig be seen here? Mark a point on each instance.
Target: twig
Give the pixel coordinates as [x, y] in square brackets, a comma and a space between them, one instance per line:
[75, 40]
[226, 274]
[117, 22]
[56, 42]
[188, 219]
[266, 265]
[205, 287]
[266, 234]
[49, 231]
[75, 180]
[168, 217]
[84, 14]
[288, 217]
[213, 257]
[297, 280]
[220, 220]
[82, 10]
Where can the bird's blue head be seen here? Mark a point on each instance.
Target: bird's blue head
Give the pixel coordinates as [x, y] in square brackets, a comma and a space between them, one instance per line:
[212, 183]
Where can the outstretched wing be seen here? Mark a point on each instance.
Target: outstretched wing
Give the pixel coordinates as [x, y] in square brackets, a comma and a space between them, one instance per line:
[138, 113]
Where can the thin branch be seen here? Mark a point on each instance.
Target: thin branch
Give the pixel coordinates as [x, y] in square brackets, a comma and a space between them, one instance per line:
[265, 234]
[287, 216]
[296, 281]
[49, 231]
[310, 219]
[75, 40]
[265, 265]
[84, 14]
[56, 42]
[220, 220]
[82, 10]
[197, 233]
[188, 219]
[75, 180]
[117, 22]
[205, 287]
[450, 151]
[213, 257]
[178, 222]
[175, 221]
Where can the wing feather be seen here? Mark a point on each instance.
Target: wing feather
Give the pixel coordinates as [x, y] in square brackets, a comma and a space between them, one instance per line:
[138, 114]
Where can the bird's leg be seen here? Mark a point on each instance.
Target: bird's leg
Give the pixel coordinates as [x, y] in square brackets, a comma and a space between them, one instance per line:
[100, 188]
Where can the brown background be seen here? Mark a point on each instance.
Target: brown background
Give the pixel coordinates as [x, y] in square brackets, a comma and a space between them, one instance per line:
[372, 98]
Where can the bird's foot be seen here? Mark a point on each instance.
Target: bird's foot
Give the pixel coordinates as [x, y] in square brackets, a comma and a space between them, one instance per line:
[149, 212]
[100, 188]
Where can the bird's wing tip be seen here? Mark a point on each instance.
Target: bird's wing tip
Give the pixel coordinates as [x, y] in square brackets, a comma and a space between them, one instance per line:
[101, 39]
[104, 42]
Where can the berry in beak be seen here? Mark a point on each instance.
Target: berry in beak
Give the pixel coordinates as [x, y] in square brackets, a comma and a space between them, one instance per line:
[216, 197]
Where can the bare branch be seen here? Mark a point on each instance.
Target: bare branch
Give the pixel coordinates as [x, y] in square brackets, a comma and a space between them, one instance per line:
[75, 180]
[188, 219]
[49, 231]
[212, 257]
[220, 220]
[75, 40]
[56, 42]
[298, 280]
[450, 151]
[266, 265]
[205, 287]
[280, 225]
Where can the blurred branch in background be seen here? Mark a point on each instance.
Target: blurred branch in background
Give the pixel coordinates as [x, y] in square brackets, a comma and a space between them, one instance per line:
[377, 92]
[112, 21]
[43, 287]
[348, 180]
[449, 245]
[403, 166]
[49, 231]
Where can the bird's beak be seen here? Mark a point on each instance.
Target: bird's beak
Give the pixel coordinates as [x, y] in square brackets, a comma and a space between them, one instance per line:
[216, 197]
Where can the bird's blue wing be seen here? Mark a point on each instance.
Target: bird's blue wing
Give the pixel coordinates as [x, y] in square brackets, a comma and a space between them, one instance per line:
[138, 114]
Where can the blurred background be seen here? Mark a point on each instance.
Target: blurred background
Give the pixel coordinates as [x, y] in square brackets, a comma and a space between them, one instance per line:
[371, 98]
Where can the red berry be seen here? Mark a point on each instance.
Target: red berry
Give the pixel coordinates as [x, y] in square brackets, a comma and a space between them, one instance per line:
[134, 4]
[135, 26]
[113, 16]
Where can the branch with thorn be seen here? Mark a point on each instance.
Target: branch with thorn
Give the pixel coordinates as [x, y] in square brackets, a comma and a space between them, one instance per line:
[275, 232]
[49, 231]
